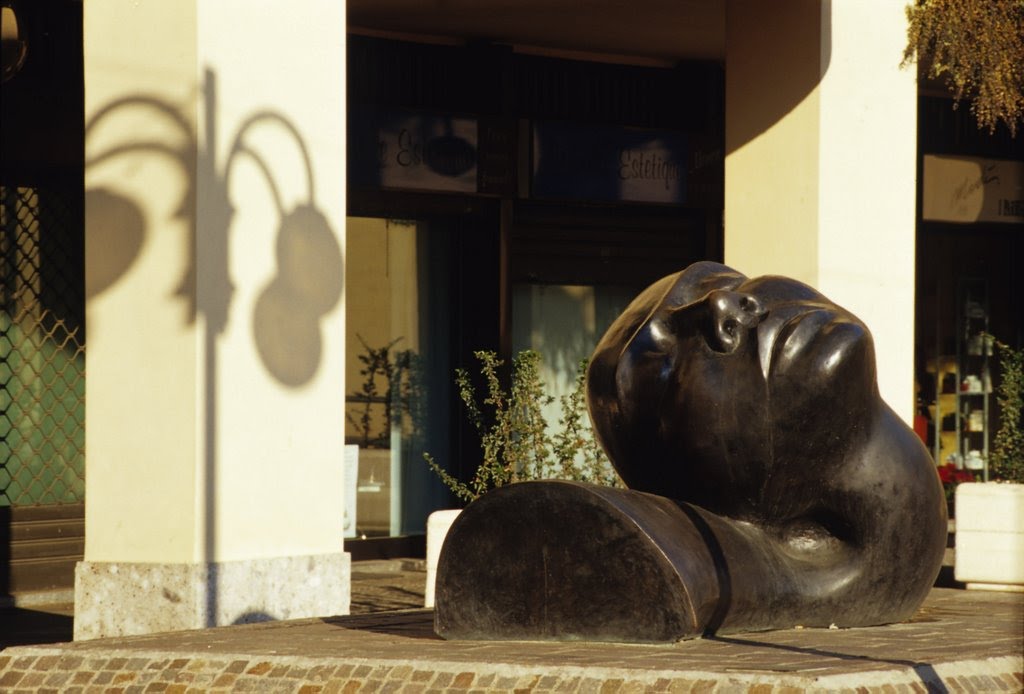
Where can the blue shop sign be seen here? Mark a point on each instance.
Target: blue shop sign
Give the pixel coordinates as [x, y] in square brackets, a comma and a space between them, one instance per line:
[609, 163]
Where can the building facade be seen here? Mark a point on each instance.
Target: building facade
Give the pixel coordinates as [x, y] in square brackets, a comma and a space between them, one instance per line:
[282, 222]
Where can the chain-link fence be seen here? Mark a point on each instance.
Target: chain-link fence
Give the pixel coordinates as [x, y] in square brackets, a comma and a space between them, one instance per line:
[42, 347]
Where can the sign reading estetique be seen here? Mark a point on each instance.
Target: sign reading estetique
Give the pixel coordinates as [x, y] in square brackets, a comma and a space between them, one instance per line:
[971, 189]
[396, 149]
[598, 162]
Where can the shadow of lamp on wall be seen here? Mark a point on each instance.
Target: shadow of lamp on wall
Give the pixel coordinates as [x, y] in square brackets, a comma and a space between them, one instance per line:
[286, 318]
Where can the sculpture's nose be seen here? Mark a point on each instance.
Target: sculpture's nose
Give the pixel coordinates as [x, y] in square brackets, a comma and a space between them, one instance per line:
[733, 315]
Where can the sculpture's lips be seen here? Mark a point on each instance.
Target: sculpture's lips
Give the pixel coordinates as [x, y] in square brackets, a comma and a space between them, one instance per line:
[788, 331]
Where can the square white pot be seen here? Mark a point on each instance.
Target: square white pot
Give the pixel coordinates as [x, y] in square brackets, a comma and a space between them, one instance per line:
[438, 524]
[990, 535]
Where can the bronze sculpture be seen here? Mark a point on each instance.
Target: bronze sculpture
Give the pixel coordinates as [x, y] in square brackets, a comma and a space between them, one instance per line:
[770, 485]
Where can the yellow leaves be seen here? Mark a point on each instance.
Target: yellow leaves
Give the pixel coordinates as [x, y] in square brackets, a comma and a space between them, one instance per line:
[978, 47]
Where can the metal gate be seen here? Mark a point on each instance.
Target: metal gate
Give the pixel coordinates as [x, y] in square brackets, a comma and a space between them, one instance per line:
[42, 385]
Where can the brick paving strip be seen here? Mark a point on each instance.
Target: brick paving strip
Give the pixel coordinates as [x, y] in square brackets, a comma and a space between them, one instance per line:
[960, 641]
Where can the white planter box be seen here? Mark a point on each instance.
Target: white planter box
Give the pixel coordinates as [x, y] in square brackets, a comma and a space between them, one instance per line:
[990, 535]
[438, 523]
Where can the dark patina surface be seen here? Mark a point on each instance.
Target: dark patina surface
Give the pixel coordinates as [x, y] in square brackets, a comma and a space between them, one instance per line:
[770, 485]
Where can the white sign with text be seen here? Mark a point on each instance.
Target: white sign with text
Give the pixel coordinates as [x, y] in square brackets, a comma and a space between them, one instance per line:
[972, 189]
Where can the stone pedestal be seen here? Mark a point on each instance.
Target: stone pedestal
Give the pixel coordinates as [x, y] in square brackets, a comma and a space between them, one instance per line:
[121, 599]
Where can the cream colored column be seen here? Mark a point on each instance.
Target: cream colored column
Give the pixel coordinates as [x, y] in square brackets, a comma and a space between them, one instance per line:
[215, 212]
[820, 171]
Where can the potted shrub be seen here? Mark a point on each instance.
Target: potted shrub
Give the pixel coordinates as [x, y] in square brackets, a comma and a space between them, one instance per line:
[517, 443]
[990, 515]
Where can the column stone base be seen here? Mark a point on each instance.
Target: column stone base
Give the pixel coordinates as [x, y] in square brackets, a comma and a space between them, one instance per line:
[124, 598]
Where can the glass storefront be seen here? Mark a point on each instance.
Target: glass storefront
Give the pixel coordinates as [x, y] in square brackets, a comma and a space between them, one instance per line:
[468, 233]
[969, 287]
[397, 345]
[563, 324]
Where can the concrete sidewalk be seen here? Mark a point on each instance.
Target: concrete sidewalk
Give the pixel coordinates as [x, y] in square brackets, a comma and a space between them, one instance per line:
[958, 641]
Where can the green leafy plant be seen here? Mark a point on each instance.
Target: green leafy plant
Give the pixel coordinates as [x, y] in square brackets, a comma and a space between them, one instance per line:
[515, 441]
[1006, 462]
[977, 47]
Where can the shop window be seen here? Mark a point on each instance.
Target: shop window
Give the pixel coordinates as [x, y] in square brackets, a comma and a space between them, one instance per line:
[968, 286]
[397, 367]
[563, 323]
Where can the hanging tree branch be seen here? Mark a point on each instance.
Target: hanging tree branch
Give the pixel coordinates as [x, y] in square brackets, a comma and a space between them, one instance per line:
[977, 47]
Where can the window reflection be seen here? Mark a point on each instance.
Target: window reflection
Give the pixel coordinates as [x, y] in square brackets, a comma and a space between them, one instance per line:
[396, 361]
[563, 323]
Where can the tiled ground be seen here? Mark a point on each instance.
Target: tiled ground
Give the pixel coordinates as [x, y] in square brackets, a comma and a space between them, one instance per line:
[959, 641]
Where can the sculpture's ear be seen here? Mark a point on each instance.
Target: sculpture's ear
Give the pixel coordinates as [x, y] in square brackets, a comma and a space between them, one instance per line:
[602, 392]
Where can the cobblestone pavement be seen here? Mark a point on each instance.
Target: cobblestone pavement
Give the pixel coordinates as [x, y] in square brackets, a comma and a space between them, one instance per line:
[382, 586]
[959, 641]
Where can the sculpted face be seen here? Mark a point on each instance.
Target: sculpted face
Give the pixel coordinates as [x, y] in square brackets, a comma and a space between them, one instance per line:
[780, 485]
[724, 391]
